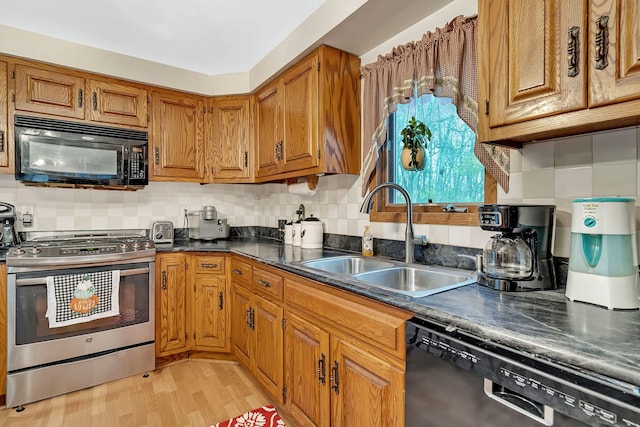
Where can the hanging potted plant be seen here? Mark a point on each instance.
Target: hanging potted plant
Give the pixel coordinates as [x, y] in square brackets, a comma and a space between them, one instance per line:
[414, 139]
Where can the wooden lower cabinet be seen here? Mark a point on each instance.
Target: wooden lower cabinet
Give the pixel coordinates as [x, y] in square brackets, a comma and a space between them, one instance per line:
[191, 304]
[257, 326]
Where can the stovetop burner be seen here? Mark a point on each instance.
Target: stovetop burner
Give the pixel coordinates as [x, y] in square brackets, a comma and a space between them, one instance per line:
[80, 248]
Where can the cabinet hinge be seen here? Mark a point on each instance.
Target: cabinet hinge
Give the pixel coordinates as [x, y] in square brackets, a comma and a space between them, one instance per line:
[284, 323]
[284, 393]
[486, 107]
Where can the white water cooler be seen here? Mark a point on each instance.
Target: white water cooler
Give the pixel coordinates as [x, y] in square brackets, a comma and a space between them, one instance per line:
[603, 265]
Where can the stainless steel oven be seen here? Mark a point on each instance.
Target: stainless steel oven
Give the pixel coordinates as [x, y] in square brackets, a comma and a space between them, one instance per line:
[456, 379]
[80, 312]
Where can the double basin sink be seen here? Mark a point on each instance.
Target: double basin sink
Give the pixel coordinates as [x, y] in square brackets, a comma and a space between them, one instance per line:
[408, 279]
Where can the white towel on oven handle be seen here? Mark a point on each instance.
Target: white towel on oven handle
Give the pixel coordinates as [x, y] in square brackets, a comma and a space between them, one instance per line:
[60, 293]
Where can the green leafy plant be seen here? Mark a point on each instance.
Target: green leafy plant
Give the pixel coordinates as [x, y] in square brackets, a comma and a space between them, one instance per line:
[415, 135]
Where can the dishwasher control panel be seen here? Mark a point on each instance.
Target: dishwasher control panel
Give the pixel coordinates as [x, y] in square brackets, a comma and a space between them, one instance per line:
[586, 399]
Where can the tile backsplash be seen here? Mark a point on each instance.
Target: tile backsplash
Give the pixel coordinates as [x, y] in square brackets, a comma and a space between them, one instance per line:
[549, 172]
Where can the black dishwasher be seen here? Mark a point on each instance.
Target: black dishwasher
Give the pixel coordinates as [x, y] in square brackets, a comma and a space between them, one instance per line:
[456, 379]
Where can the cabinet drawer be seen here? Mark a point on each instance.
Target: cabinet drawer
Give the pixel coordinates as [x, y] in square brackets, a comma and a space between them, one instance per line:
[241, 272]
[268, 284]
[209, 264]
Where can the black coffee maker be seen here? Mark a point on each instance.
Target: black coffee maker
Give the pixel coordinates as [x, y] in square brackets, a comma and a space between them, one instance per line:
[8, 235]
[519, 257]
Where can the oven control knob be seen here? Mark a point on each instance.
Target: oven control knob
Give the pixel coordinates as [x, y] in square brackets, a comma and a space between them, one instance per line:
[19, 251]
[135, 245]
[34, 250]
[123, 246]
[148, 244]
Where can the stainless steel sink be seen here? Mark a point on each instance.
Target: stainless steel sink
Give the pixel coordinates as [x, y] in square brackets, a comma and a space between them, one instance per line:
[349, 264]
[417, 281]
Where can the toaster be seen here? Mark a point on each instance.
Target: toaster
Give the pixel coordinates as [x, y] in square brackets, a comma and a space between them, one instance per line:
[162, 231]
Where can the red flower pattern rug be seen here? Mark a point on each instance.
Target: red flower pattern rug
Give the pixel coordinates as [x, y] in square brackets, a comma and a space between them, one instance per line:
[267, 416]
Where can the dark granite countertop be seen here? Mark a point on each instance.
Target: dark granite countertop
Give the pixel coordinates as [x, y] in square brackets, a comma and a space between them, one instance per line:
[544, 324]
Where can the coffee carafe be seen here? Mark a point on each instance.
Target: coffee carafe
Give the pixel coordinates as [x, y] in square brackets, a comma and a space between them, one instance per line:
[518, 258]
[603, 264]
[8, 235]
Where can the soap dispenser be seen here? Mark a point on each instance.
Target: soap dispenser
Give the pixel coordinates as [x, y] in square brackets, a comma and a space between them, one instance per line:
[367, 242]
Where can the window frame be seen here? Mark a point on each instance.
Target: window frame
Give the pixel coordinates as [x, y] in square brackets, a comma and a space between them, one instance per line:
[383, 211]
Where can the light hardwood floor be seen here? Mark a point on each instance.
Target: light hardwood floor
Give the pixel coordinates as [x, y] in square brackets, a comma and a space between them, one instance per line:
[190, 393]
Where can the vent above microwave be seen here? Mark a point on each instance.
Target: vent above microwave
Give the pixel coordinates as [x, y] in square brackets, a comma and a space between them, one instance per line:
[81, 128]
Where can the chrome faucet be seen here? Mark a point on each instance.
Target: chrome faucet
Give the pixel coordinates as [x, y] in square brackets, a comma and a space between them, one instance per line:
[409, 243]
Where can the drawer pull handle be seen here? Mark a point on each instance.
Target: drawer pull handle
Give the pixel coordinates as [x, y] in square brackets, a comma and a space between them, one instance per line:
[264, 283]
[238, 272]
[211, 265]
[574, 52]
[602, 42]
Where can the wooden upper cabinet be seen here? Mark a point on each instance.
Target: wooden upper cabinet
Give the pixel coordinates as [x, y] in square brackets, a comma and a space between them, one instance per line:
[614, 51]
[4, 129]
[307, 121]
[118, 104]
[49, 92]
[300, 116]
[553, 68]
[529, 60]
[230, 142]
[177, 137]
[268, 141]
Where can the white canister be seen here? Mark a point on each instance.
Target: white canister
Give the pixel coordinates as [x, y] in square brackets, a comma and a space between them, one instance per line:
[312, 233]
[288, 234]
[296, 231]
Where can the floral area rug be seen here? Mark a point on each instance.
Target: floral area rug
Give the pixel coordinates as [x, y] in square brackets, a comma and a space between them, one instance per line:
[267, 416]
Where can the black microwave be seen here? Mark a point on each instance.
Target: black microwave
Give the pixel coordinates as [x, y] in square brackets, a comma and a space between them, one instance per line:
[56, 151]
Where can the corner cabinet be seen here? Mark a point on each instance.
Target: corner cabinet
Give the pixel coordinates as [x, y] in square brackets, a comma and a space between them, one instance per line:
[177, 137]
[308, 120]
[555, 68]
[191, 304]
[229, 139]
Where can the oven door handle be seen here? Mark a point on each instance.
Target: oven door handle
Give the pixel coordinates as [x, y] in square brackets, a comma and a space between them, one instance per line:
[43, 280]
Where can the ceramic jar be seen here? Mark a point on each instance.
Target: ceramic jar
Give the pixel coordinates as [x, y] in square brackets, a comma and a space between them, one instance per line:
[312, 233]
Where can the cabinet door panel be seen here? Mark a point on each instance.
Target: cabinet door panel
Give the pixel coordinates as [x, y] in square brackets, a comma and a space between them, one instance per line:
[4, 136]
[171, 329]
[300, 110]
[370, 391]
[528, 51]
[119, 104]
[267, 133]
[42, 91]
[231, 140]
[178, 137]
[209, 315]
[306, 367]
[240, 333]
[268, 346]
[619, 79]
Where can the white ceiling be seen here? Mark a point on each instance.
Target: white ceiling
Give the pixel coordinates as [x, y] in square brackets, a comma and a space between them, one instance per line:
[206, 36]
